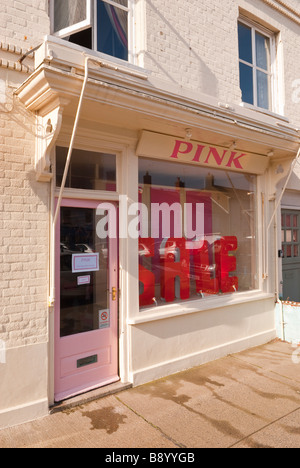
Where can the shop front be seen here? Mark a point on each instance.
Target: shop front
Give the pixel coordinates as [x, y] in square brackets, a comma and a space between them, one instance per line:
[160, 256]
[200, 229]
[201, 235]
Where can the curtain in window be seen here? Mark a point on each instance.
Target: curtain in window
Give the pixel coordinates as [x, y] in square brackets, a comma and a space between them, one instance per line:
[68, 12]
[119, 21]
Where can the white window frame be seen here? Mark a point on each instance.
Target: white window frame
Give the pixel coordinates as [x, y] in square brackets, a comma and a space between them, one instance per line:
[75, 27]
[272, 72]
[91, 22]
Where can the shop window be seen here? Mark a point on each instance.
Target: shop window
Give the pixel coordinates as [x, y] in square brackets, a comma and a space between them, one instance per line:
[88, 170]
[197, 232]
[101, 25]
[256, 49]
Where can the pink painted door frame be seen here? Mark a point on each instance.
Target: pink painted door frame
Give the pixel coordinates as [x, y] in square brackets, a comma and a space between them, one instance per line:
[86, 306]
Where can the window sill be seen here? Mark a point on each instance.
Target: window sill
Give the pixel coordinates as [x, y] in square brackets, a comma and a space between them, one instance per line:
[196, 306]
[88, 194]
[264, 111]
[61, 51]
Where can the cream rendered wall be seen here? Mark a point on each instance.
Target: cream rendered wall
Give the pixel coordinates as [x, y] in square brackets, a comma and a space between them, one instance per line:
[167, 346]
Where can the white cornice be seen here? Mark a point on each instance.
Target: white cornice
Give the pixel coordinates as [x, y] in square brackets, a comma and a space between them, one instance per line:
[130, 96]
[285, 9]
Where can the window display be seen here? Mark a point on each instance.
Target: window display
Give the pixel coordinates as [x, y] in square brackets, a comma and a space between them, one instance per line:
[198, 232]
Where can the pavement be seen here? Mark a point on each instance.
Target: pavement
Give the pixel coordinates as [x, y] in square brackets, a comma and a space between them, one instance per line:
[245, 400]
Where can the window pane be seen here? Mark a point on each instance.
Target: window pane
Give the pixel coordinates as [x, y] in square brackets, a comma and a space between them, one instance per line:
[295, 236]
[112, 29]
[246, 83]
[288, 236]
[295, 220]
[262, 51]
[190, 220]
[245, 43]
[68, 12]
[82, 38]
[88, 170]
[80, 303]
[262, 90]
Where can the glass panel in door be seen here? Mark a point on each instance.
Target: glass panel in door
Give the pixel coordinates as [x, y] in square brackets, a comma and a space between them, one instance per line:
[82, 293]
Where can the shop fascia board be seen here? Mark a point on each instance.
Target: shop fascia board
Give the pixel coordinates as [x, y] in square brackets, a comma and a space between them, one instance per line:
[59, 78]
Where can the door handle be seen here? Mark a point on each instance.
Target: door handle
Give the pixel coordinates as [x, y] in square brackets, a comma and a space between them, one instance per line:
[114, 294]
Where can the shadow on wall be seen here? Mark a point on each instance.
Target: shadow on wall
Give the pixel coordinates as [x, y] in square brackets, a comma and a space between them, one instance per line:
[205, 81]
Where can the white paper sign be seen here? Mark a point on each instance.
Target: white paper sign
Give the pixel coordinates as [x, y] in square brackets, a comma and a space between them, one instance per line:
[81, 280]
[85, 262]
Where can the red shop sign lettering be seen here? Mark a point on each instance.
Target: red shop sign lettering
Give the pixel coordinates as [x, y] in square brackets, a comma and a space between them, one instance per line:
[173, 269]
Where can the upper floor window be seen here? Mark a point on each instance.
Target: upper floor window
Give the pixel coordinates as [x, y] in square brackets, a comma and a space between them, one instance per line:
[256, 51]
[101, 25]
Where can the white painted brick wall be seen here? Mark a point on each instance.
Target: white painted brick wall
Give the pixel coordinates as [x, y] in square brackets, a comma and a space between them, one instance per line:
[189, 43]
[194, 44]
[23, 202]
[23, 23]
[23, 232]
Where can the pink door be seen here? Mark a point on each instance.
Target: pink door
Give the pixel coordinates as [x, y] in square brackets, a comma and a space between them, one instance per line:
[86, 310]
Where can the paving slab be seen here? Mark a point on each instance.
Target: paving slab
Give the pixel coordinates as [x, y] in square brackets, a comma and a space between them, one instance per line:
[283, 433]
[215, 405]
[105, 423]
[278, 357]
[246, 400]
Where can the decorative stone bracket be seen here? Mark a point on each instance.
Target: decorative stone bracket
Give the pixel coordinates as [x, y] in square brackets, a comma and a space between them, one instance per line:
[48, 128]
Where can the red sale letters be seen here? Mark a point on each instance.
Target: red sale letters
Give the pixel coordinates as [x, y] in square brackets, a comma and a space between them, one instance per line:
[178, 265]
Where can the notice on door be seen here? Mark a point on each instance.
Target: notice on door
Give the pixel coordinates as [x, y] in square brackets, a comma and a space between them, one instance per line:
[82, 280]
[82, 263]
[104, 319]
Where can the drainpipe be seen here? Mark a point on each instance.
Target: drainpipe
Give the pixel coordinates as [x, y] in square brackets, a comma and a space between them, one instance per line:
[63, 183]
[51, 298]
[55, 211]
